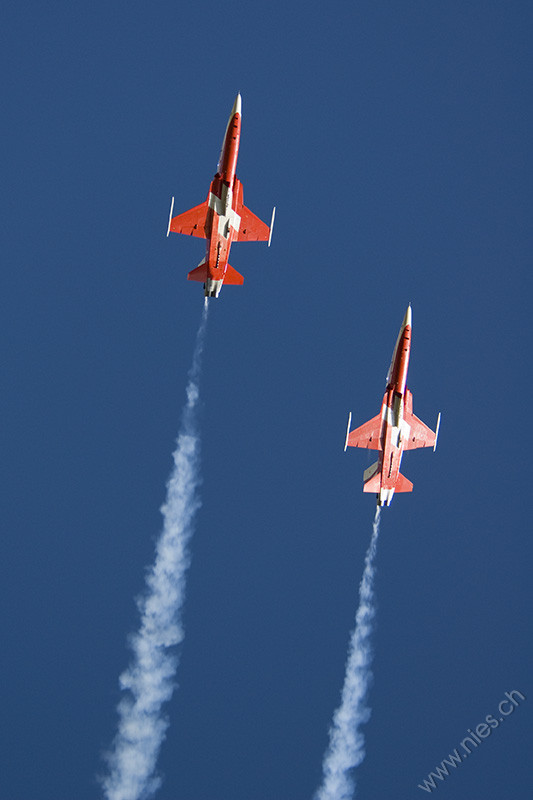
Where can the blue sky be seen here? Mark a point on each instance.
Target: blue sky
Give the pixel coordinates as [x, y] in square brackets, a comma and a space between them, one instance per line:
[394, 139]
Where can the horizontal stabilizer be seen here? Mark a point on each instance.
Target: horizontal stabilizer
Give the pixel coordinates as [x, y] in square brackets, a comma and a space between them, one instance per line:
[372, 479]
[191, 222]
[402, 484]
[198, 274]
[232, 277]
[252, 229]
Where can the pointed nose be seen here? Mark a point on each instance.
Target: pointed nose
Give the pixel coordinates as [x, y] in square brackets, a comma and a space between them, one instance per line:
[408, 319]
[237, 105]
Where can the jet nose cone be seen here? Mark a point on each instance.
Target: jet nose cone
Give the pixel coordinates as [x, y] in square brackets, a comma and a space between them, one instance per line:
[237, 105]
[408, 319]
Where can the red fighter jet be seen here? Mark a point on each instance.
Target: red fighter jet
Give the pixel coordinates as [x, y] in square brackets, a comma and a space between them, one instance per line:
[395, 428]
[223, 218]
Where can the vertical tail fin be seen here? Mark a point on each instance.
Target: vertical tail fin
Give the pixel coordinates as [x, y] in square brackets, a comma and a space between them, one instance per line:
[198, 274]
[372, 479]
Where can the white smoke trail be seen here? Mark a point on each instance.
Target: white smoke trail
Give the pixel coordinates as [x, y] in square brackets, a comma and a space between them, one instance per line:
[149, 679]
[346, 741]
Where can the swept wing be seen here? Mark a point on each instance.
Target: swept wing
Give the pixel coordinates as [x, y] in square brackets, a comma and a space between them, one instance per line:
[191, 222]
[366, 435]
[252, 229]
[419, 435]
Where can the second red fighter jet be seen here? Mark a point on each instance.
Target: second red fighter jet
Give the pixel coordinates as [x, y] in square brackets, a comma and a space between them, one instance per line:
[222, 218]
[395, 428]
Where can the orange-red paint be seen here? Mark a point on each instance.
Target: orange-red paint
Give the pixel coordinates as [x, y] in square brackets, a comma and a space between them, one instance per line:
[223, 218]
[394, 429]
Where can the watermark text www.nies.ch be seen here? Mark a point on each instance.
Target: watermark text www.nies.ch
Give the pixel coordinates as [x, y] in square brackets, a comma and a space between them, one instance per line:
[474, 739]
